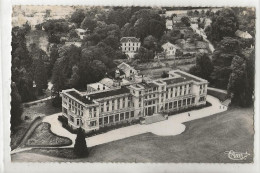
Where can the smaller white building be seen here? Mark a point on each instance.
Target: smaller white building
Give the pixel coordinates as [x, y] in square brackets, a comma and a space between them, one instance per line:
[81, 32]
[169, 49]
[130, 46]
[169, 24]
[243, 34]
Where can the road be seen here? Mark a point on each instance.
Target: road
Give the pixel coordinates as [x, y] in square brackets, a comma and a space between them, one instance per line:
[203, 34]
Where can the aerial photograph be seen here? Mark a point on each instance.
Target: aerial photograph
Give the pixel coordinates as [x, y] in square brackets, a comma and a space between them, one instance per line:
[132, 84]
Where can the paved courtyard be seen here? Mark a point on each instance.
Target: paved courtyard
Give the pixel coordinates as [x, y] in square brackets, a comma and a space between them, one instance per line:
[173, 126]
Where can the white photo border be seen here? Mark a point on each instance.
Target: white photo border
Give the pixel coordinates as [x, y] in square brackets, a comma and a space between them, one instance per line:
[8, 166]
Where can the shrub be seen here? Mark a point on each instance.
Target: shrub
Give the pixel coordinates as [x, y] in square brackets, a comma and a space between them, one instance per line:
[80, 147]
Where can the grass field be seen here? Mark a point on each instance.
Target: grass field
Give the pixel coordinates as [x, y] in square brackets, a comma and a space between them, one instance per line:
[204, 140]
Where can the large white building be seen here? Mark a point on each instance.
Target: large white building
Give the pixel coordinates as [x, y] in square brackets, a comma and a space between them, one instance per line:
[130, 46]
[106, 107]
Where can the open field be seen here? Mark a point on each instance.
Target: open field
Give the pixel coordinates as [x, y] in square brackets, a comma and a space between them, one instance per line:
[204, 140]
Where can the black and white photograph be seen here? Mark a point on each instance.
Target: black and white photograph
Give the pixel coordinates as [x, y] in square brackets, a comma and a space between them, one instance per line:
[132, 84]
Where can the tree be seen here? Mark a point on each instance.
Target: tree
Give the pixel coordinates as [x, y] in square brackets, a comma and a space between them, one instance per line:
[144, 55]
[150, 42]
[203, 67]
[16, 107]
[58, 81]
[164, 74]
[222, 58]
[237, 85]
[40, 75]
[74, 80]
[89, 24]
[77, 17]
[224, 24]
[190, 13]
[80, 147]
[185, 20]
[241, 81]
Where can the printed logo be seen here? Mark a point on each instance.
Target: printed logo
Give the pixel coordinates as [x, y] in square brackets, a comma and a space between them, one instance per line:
[236, 155]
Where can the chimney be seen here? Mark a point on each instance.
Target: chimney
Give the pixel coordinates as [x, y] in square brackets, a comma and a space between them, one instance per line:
[98, 88]
[104, 87]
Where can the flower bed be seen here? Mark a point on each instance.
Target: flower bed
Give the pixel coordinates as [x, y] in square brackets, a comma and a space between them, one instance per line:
[42, 136]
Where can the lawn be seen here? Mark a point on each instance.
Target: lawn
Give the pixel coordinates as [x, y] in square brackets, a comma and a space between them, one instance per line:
[204, 140]
[43, 137]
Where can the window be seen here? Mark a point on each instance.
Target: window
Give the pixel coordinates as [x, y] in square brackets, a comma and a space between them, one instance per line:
[93, 123]
[72, 118]
[77, 122]
[122, 116]
[140, 92]
[184, 102]
[193, 100]
[175, 104]
[132, 113]
[100, 121]
[64, 110]
[111, 119]
[116, 117]
[127, 115]
[188, 101]
[202, 99]
[179, 103]
[170, 105]
[107, 108]
[105, 120]
[166, 106]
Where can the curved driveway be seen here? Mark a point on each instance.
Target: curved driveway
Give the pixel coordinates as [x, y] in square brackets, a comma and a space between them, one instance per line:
[173, 126]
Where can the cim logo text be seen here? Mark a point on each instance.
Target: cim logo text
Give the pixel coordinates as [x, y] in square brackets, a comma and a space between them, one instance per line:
[236, 155]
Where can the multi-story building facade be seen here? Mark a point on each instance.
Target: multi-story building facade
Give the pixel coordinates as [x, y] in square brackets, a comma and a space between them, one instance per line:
[92, 110]
[130, 45]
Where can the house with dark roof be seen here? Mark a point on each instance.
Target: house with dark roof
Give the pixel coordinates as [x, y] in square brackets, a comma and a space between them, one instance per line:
[130, 46]
[126, 103]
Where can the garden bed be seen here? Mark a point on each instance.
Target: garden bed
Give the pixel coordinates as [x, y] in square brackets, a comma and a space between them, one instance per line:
[43, 137]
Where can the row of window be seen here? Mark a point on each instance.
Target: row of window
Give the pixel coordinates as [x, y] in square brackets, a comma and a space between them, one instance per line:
[116, 118]
[129, 49]
[129, 44]
[179, 103]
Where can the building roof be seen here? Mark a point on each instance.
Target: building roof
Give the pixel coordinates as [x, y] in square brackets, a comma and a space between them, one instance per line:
[109, 93]
[80, 97]
[148, 85]
[131, 39]
[107, 81]
[97, 85]
[182, 78]
[243, 34]
[124, 67]
[80, 30]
